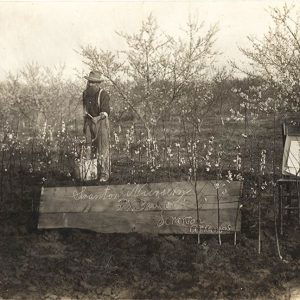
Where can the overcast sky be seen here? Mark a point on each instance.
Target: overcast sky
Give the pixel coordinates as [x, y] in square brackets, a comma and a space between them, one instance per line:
[48, 32]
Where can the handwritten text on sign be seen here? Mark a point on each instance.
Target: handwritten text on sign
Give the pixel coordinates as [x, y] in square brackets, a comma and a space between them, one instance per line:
[135, 191]
[157, 207]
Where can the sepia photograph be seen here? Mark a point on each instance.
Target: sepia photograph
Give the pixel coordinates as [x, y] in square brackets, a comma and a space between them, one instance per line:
[150, 149]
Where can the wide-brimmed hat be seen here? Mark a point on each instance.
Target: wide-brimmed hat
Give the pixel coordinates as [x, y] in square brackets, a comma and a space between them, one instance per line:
[94, 76]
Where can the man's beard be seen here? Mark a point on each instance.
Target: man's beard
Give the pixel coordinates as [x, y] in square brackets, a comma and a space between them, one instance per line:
[92, 90]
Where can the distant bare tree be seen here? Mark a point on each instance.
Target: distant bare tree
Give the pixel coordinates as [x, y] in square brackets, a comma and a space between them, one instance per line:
[40, 95]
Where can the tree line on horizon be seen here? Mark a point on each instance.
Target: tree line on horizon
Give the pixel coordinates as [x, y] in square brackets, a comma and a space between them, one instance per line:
[159, 75]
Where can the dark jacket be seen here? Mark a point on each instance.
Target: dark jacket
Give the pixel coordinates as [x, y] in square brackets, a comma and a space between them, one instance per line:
[90, 101]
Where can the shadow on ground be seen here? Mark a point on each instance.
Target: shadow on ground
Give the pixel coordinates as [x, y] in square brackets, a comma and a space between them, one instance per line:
[81, 264]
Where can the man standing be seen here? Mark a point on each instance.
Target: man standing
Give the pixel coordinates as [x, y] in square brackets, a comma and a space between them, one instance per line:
[96, 118]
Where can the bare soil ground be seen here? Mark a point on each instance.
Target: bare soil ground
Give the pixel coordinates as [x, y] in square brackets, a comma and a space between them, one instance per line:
[85, 265]
[77, 264]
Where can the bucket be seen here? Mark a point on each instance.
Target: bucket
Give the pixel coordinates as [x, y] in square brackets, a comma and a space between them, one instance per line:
[85, 167]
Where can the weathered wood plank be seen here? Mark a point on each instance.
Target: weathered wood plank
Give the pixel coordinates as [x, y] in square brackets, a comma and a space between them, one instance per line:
[133, 204]
[148, 190]
[138, 197]
[156, 208]
[184, 222]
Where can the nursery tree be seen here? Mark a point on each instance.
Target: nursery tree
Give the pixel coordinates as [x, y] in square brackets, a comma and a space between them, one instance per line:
[156, 69]
[276, 57]
[275, 62]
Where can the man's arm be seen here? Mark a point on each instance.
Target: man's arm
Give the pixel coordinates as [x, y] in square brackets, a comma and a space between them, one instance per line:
[84, 113]
[104, 104]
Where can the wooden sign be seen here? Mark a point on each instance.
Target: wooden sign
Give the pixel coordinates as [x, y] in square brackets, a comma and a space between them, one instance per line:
[154, 208]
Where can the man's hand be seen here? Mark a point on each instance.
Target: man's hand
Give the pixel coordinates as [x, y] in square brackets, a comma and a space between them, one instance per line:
[102, 115]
